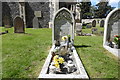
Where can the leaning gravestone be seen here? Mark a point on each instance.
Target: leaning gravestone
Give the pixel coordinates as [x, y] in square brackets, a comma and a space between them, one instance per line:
[94, 23]
[6, 21]
[102, 23]
[35, 23]
[63, 26]
[19, 25]
[111, 29]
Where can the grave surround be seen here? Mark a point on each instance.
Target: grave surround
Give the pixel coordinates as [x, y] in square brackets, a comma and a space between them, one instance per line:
[111, 28]
[63, 21]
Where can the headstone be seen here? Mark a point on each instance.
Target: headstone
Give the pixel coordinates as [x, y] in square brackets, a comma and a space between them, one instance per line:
[19, 25]
[94, 23]
[102, 23]
[6, 21]
[35, 22]
[98, 21]
[112, 28]
[63, 25]
[88, 26]
[94, 30]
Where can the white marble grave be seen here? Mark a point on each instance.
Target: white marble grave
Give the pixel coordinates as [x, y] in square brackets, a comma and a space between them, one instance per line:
[112, 28]
[63, 25]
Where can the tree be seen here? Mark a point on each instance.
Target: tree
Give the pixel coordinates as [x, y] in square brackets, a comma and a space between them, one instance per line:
[85, 8]
[102, 9]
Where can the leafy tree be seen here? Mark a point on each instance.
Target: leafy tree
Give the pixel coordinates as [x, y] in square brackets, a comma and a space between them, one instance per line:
[85, 8]
[102, 9]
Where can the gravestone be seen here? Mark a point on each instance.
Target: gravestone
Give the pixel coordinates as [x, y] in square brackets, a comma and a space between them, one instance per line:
[94, 30]
[98, 21]
[111, 29]
[102, 23]
[35, 22]
[63, 25]
[6, 21]
[19, 25]
[94, 23]
[88, 26]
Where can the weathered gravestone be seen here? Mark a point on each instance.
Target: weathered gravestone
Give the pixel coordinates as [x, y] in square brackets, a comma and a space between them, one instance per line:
[88, 26]
[19, 25]
[6, 21]
[94, 23]
[35, 22]
[102, 23]
[63, 25]
[112, 28]
[94, 30]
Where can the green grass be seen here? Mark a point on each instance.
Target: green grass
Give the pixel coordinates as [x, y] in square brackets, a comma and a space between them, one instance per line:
[88, 30]
[24, 54]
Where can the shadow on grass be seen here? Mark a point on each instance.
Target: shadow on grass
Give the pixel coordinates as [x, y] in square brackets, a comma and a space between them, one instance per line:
[81, 46]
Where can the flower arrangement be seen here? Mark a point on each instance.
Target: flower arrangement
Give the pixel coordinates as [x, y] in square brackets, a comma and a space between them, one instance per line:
[58, 60]
[117, 40]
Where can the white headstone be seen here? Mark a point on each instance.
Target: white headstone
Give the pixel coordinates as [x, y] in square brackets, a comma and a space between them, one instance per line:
[112, 28]
[112, 25]
[63, 25]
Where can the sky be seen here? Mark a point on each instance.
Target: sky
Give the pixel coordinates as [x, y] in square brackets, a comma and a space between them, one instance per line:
[113, 3]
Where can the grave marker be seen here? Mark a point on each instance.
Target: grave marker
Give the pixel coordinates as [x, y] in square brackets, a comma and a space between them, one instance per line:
[6, 21]
[35, 22]
[102, 23]
[112, 28]
[19, 25]
[63, 26]
[94, 23]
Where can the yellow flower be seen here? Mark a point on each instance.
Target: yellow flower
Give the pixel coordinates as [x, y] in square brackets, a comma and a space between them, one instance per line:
[61, 60]
[57, 64]
[64, 37]
[55, 58]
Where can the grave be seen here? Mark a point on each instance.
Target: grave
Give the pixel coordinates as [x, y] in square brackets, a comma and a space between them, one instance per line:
[19, 25]
[94, 30]
[94, 23]
[102, 23]
[88, 26]
[6, 21]
[35, 23]
[63, 61]
[112, 31]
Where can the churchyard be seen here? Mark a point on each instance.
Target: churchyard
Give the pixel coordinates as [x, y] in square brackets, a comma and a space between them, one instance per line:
[23, 55]
[71, 48]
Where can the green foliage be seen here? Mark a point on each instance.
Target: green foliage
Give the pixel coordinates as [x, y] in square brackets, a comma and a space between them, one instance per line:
[117, 40]
[85, 8]
[102, 9]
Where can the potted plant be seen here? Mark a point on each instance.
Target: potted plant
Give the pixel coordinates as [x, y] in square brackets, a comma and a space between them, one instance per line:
[117, 40]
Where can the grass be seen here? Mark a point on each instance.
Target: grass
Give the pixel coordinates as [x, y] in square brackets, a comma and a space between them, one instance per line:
[23, 55]
[88, 30]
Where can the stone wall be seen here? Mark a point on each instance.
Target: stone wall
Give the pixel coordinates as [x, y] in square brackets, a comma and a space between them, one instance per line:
[11, 9]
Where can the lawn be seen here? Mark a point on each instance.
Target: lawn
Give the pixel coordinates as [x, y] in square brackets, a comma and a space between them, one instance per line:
[23, 55]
